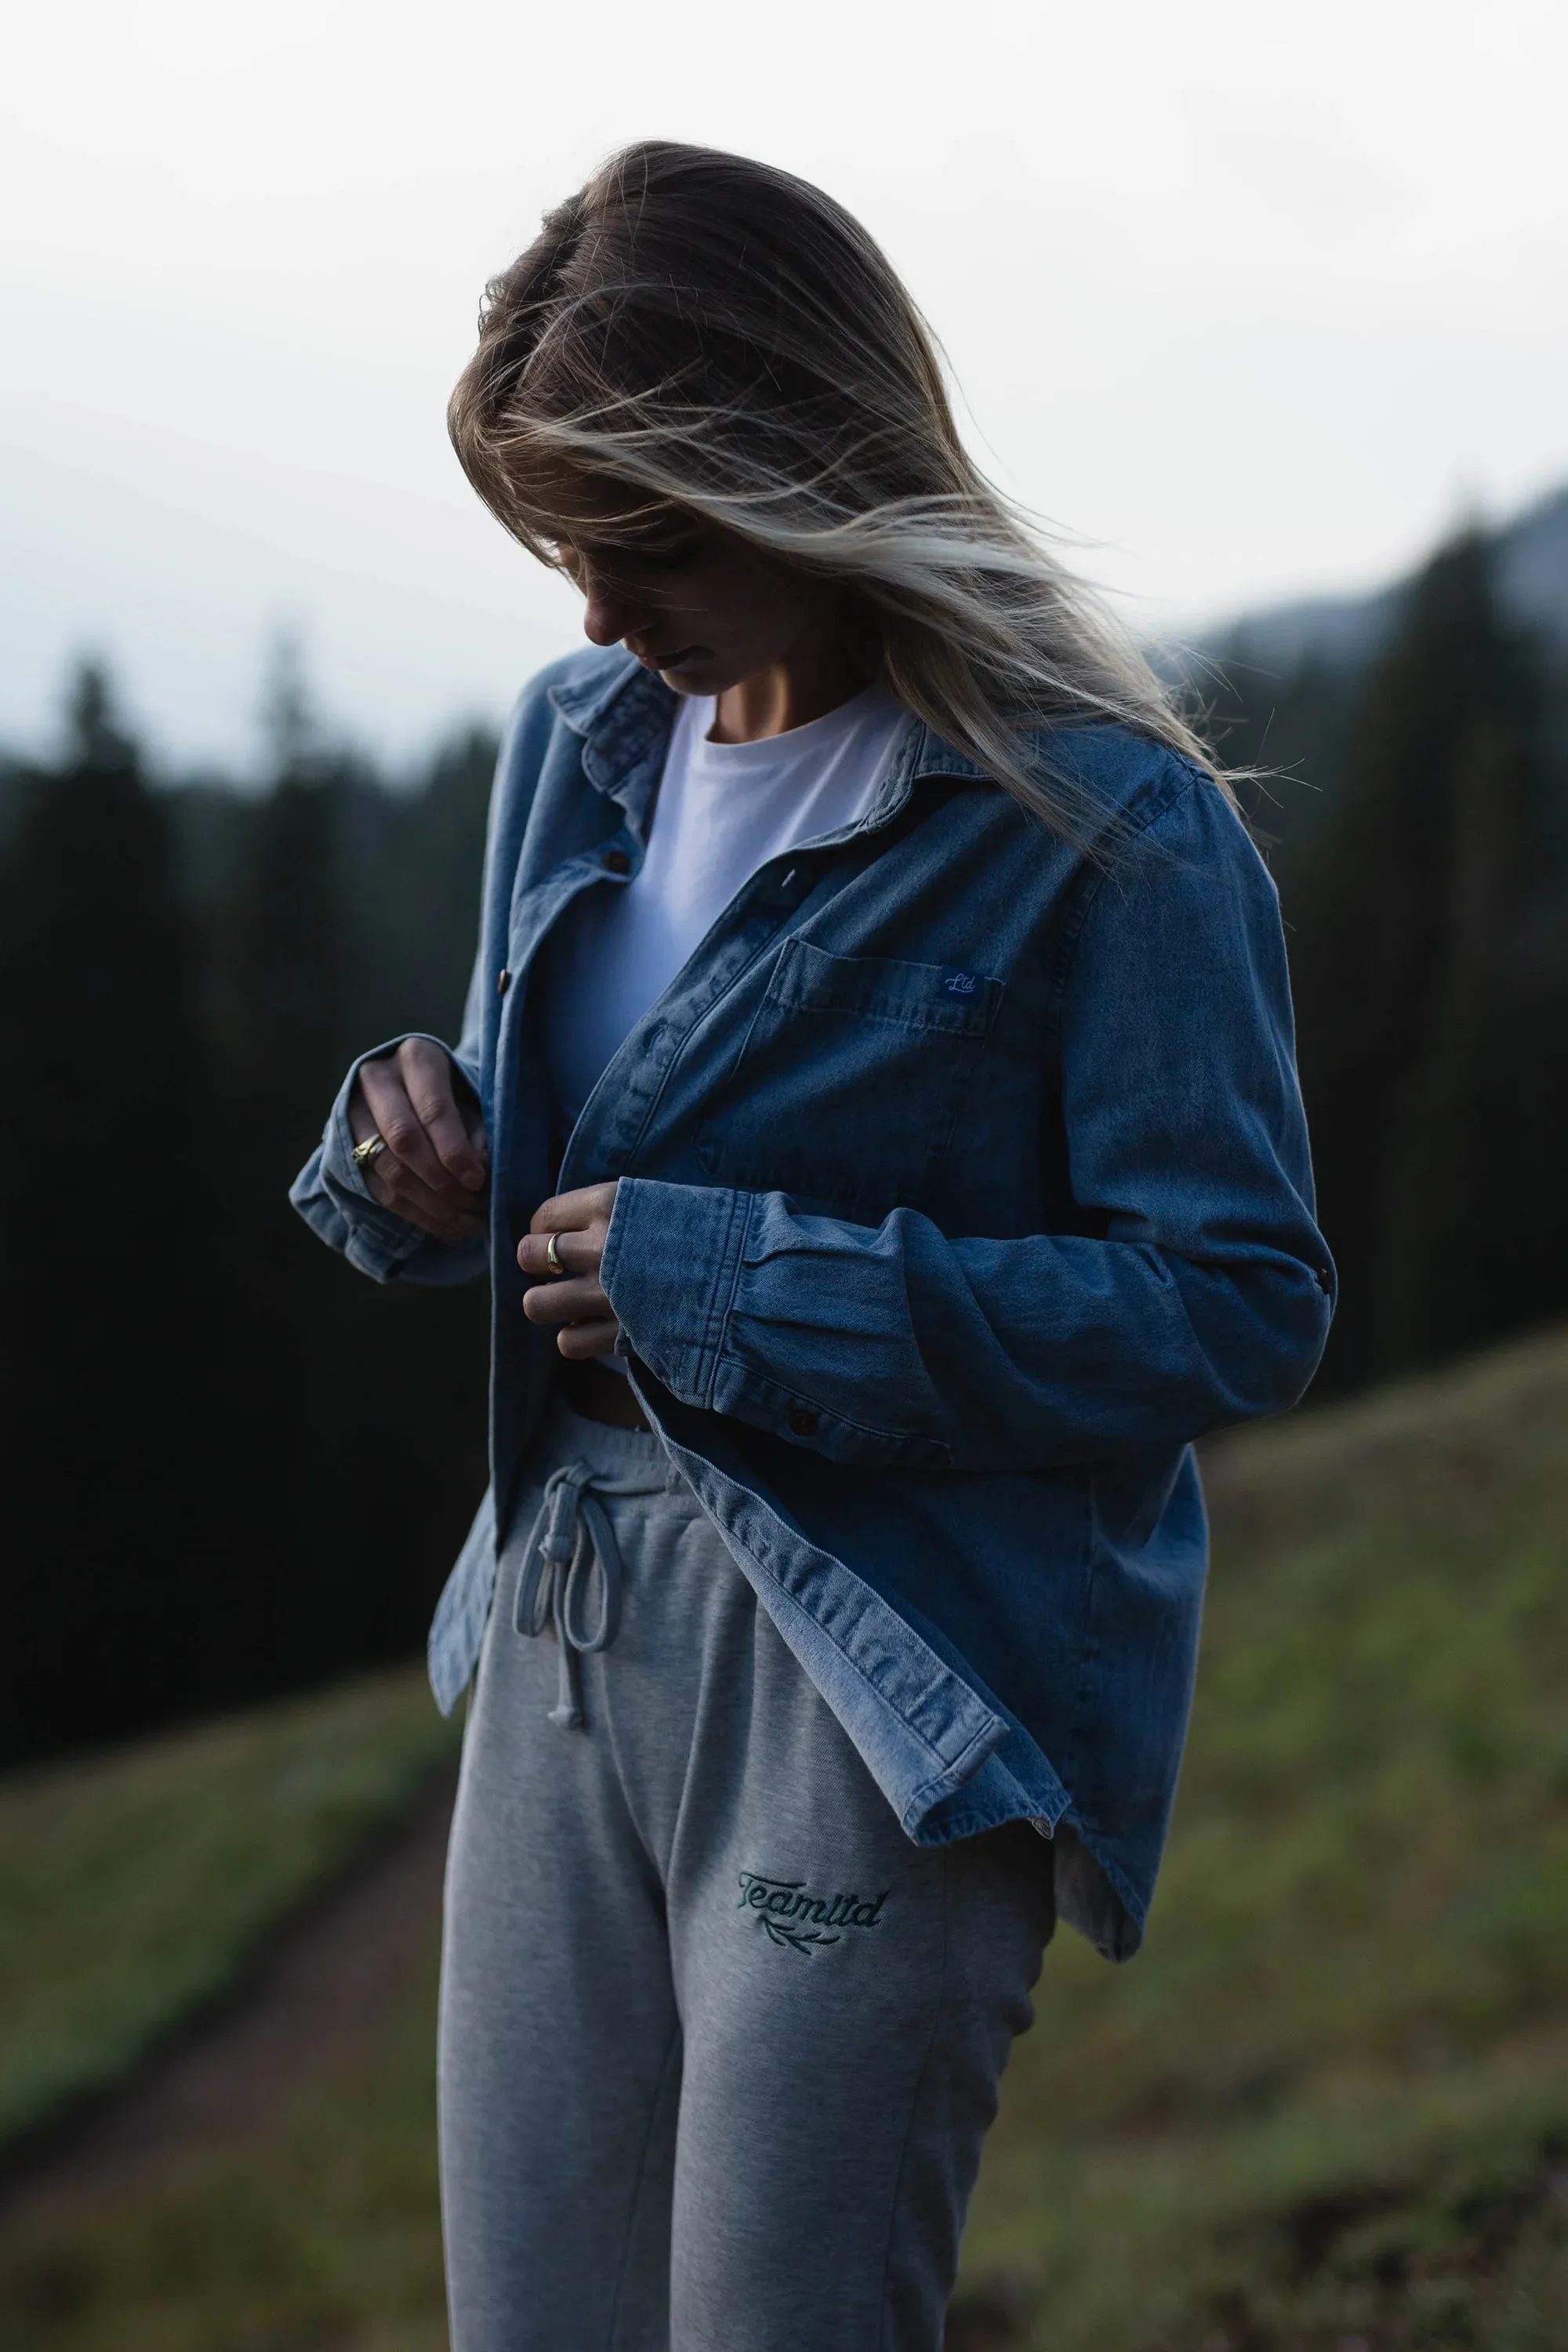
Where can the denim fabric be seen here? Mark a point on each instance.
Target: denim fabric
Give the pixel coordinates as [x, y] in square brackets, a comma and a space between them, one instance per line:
[963, 1184]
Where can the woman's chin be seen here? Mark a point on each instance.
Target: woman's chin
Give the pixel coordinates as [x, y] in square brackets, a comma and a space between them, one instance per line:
[695, 673]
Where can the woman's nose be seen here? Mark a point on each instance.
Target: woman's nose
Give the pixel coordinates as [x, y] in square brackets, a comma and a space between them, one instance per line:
[607, 612]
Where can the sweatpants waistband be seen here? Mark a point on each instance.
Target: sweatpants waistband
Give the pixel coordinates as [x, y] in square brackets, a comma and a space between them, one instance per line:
[634, 1458]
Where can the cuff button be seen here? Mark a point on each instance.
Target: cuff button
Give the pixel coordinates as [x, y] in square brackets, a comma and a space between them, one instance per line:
[804, 1422]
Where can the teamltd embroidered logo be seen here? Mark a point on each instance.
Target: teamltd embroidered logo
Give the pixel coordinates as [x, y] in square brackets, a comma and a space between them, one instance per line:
[788, 1913]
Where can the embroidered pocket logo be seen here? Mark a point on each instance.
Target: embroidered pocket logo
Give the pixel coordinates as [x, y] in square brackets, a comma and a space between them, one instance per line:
[788, 1913]
[960, 983]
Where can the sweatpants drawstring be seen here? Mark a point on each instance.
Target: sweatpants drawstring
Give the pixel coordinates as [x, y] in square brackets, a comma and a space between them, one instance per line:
[571, 1548]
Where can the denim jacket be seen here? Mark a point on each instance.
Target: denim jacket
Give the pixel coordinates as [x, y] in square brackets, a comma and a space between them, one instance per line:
[963, 1184]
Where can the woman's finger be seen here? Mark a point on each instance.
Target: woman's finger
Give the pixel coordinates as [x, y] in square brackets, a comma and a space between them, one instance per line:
[589, 1205]
[580, 1341]
[575, 1252]
[430, 1083]
[576, 1300]
[450, 1214]
[443, 1224]
[399, 1124]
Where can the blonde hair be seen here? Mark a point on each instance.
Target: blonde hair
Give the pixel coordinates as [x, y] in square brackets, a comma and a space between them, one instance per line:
[713, 334]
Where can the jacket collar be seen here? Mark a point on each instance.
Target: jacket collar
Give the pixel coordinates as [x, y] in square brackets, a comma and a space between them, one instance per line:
[623, 712]
[582, 698]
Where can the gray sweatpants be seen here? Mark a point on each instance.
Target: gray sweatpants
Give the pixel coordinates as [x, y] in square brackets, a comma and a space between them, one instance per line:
[719, 2044]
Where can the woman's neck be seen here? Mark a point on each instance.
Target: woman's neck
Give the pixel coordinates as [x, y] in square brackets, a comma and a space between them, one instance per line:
[815, 677]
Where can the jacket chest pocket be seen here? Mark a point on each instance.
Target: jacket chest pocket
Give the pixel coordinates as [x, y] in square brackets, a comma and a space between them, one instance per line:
[851, 1078]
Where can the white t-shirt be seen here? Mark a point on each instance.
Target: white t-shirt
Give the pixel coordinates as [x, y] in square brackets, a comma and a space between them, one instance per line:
[724, 809]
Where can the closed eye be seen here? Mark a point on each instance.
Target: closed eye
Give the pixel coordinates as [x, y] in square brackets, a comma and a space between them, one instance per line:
[622, 558]
[670, 554]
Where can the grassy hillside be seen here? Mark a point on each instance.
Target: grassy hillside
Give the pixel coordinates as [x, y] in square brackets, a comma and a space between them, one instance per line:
[134, 1883]
[1326, 2110]
[323, 2238]
[1330, 2101]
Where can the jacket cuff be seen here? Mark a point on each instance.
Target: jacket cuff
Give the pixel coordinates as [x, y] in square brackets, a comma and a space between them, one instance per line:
[672, 1259]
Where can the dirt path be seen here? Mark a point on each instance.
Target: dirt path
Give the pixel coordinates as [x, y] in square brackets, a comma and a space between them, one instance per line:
[309, 2002]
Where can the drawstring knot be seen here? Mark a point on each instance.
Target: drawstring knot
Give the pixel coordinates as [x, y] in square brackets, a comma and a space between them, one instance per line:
[571, 1577]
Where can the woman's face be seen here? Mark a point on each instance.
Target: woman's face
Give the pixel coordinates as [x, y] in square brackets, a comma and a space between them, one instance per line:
[691, 600]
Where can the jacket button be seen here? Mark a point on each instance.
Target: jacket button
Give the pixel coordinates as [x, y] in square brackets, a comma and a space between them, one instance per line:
[501, 979]
[1325, 1281]
[804, 1422]
[617, 862]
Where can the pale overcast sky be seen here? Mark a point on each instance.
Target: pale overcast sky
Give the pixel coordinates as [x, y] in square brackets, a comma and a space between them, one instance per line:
[1253, 300]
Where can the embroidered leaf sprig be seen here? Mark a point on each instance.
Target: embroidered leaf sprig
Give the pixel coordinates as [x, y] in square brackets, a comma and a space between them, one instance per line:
[797, 1937]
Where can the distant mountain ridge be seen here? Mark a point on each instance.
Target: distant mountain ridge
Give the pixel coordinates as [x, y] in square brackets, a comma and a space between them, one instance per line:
[1532, 579]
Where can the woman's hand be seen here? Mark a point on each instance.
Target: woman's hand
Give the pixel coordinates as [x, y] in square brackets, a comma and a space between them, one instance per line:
[574, 1300]
[435, 1168]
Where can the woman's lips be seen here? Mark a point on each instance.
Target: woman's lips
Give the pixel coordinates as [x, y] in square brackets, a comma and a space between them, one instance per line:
[676, 658]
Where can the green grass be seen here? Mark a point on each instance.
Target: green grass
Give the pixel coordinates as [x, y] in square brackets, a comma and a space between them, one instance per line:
[133, 1884]
[324, 2237]
[1330, 2098]
[1327, 2107]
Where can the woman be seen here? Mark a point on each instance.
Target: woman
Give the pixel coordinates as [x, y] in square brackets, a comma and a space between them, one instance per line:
[876, 1106]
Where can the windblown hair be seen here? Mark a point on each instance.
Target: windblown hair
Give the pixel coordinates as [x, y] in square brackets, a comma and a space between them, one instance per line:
[711, 335]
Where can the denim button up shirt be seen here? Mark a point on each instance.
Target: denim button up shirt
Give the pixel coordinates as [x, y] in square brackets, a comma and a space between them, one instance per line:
[963, 1183]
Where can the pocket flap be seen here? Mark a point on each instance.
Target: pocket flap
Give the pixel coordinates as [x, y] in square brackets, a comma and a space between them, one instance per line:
[937, 996]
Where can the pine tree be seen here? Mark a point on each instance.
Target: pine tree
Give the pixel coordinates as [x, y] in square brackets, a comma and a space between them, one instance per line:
[1420, 895]
[102, 1253]
[283, 953]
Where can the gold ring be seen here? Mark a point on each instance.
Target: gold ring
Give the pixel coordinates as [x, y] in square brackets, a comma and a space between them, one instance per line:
[371, 1149]
[553, 1258]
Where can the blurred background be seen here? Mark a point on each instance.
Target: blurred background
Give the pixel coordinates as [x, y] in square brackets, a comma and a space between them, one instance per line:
[1263, 311]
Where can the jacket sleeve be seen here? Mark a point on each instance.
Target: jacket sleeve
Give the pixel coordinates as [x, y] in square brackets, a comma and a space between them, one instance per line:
[1197, 1292]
